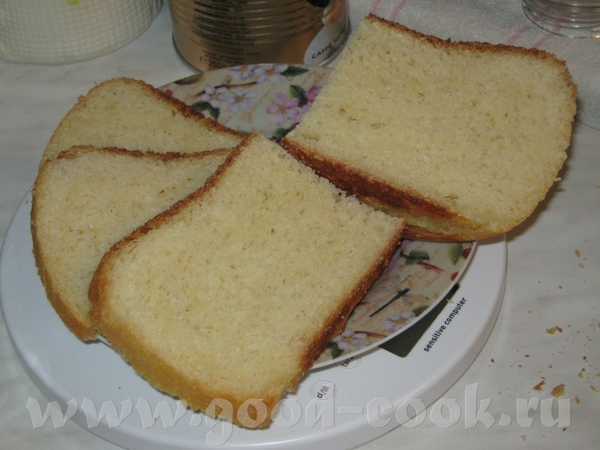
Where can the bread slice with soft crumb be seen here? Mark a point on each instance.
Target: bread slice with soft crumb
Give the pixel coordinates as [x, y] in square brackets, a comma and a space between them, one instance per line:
[229, 296]
[461, 139]
[131, 114]
[89, 198]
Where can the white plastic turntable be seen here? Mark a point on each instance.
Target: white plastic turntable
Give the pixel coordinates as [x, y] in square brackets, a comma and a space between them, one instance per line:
[339, 406]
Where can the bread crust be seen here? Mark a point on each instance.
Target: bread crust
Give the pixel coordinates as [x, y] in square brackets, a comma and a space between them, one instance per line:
[455, 229]
[171, 102]
[81, 327]
[444, 225]
[483, 47]
[364, 185]
[337, 322]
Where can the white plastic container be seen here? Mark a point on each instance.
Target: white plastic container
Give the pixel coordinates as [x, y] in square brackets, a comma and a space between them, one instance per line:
[66, 31]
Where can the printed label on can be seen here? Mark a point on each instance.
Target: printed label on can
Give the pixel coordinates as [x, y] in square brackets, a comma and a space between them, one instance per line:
[332, 36]
[211, 34]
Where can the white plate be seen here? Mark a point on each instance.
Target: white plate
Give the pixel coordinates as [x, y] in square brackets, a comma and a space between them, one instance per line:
[332, 407]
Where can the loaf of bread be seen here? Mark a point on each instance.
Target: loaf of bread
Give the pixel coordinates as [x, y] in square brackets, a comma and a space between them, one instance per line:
[87, 199]
[228, 297]
[133, 115]
[461, 139]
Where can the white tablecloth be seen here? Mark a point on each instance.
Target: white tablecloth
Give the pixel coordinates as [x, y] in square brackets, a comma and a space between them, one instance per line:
[553, 259]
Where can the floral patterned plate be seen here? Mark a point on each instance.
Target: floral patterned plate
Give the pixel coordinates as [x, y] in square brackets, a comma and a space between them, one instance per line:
[271, 99]
[266, 98]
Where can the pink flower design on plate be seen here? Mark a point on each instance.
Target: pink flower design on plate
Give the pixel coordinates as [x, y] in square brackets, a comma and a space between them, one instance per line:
[270, 73]
[243, 72]
[350, 339]
[296, 114]
[283, 108]
[215, 95]
[397, 321]
[240, 101]
[312, 93]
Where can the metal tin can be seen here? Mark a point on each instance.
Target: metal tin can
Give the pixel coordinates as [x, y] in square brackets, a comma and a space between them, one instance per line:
[211, 34]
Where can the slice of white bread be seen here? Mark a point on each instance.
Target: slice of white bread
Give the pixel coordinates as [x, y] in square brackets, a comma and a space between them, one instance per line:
[87, 199]
[462, 139]
[130, 114]
[229, 296]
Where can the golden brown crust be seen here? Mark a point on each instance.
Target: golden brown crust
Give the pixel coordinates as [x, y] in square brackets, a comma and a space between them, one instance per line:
[356, 182]
[389, 199]
[337, 322]
[76, 150]
[185, 110]
[81, 328]
[457, 229]
[393, 201]
[421, 234]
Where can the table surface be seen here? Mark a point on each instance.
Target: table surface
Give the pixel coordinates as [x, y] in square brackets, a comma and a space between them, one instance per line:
[546, 335]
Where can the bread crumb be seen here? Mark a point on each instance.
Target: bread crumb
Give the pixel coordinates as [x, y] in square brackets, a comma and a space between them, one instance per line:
[558, 391]
[524, 437]
[577, 400]
[553, 330]
[578, 253]
[594, 388]
[538, 387]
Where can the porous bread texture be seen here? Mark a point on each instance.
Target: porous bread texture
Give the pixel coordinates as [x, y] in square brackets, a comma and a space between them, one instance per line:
[89, 198]
[462, 139]
[228, 297]
[130, 114]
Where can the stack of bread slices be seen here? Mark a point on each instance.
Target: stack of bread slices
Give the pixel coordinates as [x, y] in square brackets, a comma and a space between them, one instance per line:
[220, 265]
[217, 273]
